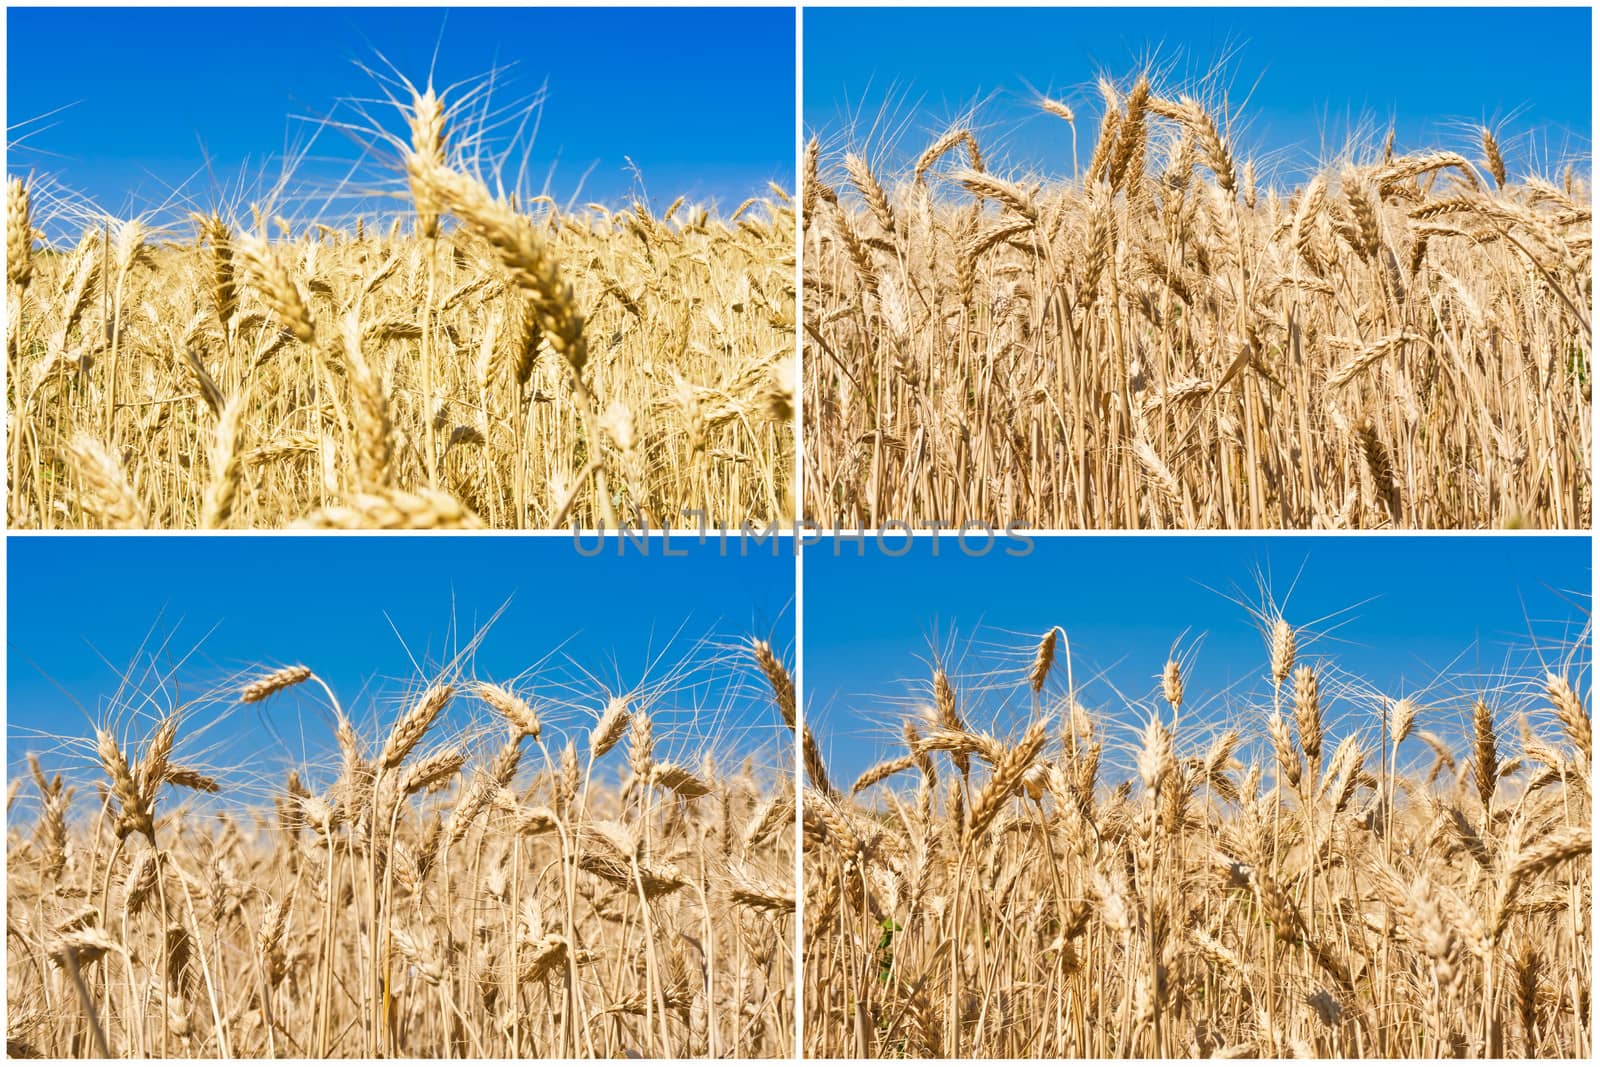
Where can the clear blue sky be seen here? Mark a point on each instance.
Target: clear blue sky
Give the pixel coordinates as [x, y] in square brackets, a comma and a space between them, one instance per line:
[702, 100]
[1308, 74]
[360, 610]
[1396, 612]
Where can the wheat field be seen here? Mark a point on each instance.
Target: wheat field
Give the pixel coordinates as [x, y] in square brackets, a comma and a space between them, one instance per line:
[1168, 338]
[477, 360]
[501, 871]
[1329, 872]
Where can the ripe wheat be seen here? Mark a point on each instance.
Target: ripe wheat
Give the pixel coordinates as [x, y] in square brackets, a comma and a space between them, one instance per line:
[1163, 339]
[1335, 874]
[484, 362]
[497, 889]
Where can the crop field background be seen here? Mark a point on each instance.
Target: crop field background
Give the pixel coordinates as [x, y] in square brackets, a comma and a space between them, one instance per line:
[410, 287]
[545, 883]
[1167, 338]
[526, 368]
[1286, 826]
[1271, 887]
[545, 837]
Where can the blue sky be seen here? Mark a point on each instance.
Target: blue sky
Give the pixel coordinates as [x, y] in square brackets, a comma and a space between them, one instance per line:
[1303, 75]
[125, 119]
[1395, 612]
[361, 610]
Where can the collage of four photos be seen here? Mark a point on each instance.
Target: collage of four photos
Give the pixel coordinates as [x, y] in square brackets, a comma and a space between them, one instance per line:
[798, 532]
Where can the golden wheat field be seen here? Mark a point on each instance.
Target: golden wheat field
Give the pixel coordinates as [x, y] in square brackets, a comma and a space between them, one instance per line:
[498, 870]
[479, 359]
[1167, 337]
[1331, 872]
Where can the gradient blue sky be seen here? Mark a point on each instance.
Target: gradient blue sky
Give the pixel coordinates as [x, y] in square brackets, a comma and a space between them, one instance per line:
[1303, 75]
[360, 610]
[701, 100]
[1397, 611]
